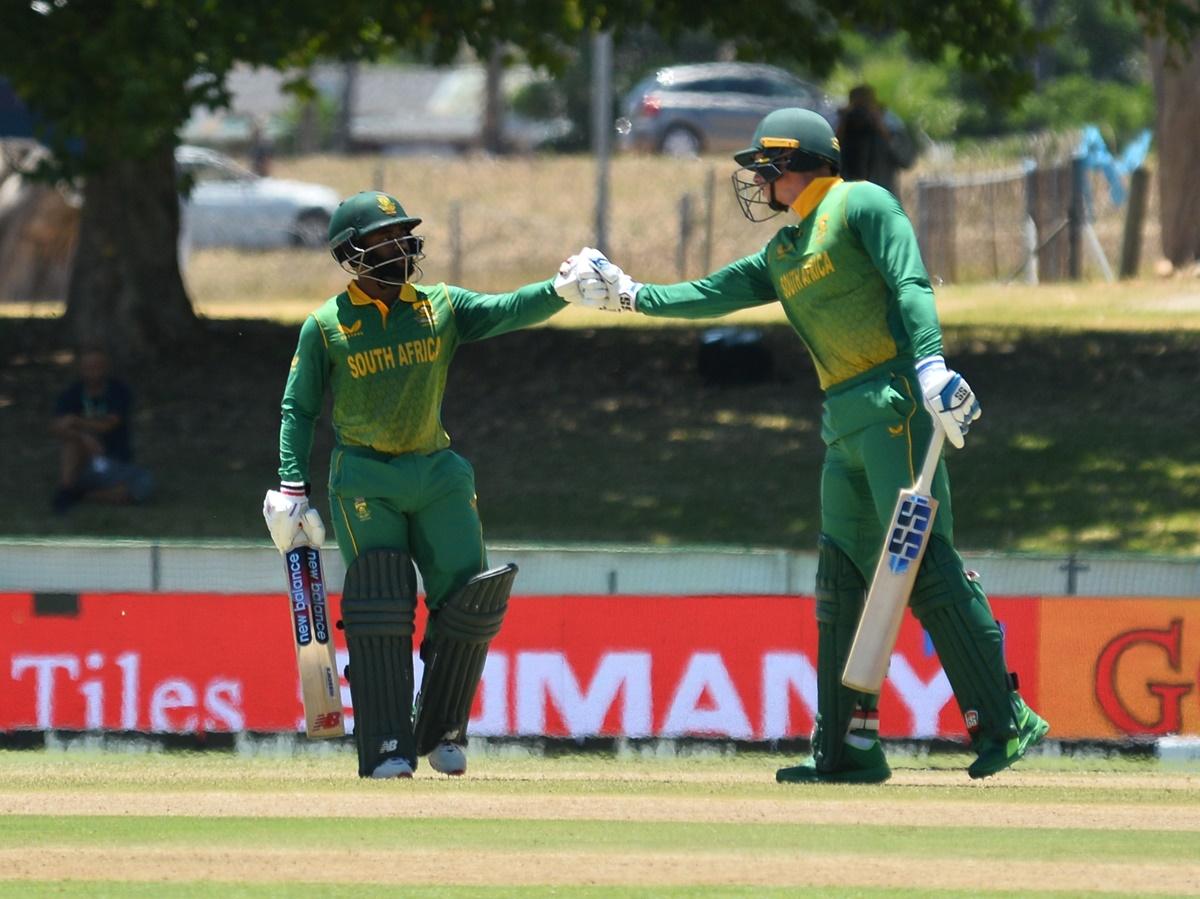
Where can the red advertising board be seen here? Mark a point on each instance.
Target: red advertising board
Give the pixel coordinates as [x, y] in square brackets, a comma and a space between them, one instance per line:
[740, 667]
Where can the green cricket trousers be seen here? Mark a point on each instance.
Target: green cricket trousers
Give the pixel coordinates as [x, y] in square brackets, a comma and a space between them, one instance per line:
[422, 505]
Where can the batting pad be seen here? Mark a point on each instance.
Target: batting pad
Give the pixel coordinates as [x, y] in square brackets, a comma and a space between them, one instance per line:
[970, 645]
[454, 656]
[378, 605]
[840, 594]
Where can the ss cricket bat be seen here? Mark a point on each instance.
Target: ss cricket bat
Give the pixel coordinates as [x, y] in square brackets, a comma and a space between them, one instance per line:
[320, 686]
[903, 549]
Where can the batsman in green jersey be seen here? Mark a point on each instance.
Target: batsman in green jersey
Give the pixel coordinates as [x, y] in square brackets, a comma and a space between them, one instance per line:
[851, 281]
[398, 494]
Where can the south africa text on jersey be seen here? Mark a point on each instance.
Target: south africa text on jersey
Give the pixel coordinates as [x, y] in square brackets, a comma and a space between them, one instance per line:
[814, 268]
[412, 352]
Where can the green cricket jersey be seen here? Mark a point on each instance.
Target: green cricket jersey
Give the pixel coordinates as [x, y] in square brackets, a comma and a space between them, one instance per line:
[387, 367]
[849, 276]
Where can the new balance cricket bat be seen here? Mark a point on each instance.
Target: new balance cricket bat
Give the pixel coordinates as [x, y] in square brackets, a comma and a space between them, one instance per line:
[320, 686]
[903, 549]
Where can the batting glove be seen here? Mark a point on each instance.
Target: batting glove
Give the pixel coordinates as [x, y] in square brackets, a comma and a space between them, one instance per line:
[290, 520]
[948, 397]
[590, 279]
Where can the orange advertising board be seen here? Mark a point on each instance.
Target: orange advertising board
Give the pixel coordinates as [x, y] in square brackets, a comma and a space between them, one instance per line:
[1116, 667]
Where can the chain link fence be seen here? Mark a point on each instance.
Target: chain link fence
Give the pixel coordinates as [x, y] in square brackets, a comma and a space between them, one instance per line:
[1049, 222]
[494, 223]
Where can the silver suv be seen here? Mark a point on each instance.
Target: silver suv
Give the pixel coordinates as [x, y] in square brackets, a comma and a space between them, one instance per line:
[710, 107]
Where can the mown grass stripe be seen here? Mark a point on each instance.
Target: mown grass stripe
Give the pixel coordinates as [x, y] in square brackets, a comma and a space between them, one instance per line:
[116, 889]
[603, 836]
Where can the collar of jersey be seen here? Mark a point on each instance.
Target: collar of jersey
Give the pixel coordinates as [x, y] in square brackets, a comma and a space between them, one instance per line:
[359, 297]
[812, 195]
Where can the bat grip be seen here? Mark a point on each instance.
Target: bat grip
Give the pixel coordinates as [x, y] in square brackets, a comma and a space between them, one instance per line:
[932, 455]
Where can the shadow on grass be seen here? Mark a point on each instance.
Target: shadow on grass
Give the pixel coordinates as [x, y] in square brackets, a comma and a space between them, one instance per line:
[1087, 441]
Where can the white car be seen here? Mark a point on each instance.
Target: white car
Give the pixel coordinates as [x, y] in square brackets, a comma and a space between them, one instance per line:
[230, 206]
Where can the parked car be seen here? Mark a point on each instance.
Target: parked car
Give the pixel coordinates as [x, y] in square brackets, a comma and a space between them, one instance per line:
[230, 206]
[710, 107]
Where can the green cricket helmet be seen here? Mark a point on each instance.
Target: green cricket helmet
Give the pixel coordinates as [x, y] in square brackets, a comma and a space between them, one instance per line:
[391, 256]
[786, 140]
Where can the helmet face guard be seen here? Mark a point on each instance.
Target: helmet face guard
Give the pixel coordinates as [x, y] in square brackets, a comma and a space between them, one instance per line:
[752, 182]
[388, 260]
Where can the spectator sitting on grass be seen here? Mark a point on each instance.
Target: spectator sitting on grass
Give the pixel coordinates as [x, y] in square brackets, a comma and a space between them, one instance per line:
[91, 421]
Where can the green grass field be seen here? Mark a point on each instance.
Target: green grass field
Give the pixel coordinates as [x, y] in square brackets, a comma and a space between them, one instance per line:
[78, 823]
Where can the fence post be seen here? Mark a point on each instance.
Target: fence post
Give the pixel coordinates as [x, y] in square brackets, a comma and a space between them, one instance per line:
[1135, 215]
[1075, 220]
[685, 234]
[1031, 228]
[1052, 219]
[710, 197]
[455, 225]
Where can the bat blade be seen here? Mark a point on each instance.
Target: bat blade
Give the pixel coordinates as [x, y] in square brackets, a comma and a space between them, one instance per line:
[903, 548]
[316, 660]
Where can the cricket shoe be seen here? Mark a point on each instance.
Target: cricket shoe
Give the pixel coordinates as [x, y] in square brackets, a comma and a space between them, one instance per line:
[859, 766]
[996, 755]
[392, 767]
[448, 758]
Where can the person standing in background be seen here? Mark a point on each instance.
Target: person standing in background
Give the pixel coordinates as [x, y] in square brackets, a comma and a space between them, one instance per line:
[875, 143]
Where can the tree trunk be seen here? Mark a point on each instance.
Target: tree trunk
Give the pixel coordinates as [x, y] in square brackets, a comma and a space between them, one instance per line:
[126, 292]
[1177, 91]
[491, 126]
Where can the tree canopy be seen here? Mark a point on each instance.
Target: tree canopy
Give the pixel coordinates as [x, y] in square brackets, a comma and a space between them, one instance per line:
[121, 76]
[115, 80]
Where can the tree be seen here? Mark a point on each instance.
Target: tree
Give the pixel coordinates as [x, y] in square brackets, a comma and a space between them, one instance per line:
[116, 79]
[113, 81]
[1175, 62]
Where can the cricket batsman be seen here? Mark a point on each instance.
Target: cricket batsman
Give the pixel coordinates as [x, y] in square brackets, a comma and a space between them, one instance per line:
[851, 281]
[399, 495]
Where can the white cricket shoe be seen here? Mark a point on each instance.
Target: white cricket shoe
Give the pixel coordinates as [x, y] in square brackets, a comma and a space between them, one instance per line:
[393, 767]
[448, 758]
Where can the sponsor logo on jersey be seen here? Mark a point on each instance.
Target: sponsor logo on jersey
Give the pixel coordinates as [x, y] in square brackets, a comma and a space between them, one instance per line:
[424, 312]
[361, 511]
[351, 330]
[895, 430]
[822, 228]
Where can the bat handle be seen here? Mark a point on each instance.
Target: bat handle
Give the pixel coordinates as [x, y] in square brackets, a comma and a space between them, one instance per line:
[932, 456]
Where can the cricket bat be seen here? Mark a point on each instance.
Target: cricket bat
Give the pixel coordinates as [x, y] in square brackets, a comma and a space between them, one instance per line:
[903, 549]
[320, 686]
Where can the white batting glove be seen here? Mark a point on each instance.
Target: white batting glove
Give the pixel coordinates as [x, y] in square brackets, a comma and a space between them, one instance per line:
[290, 520]
[622, 289]
[948, 397]
[578, 282]
[590, 279]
